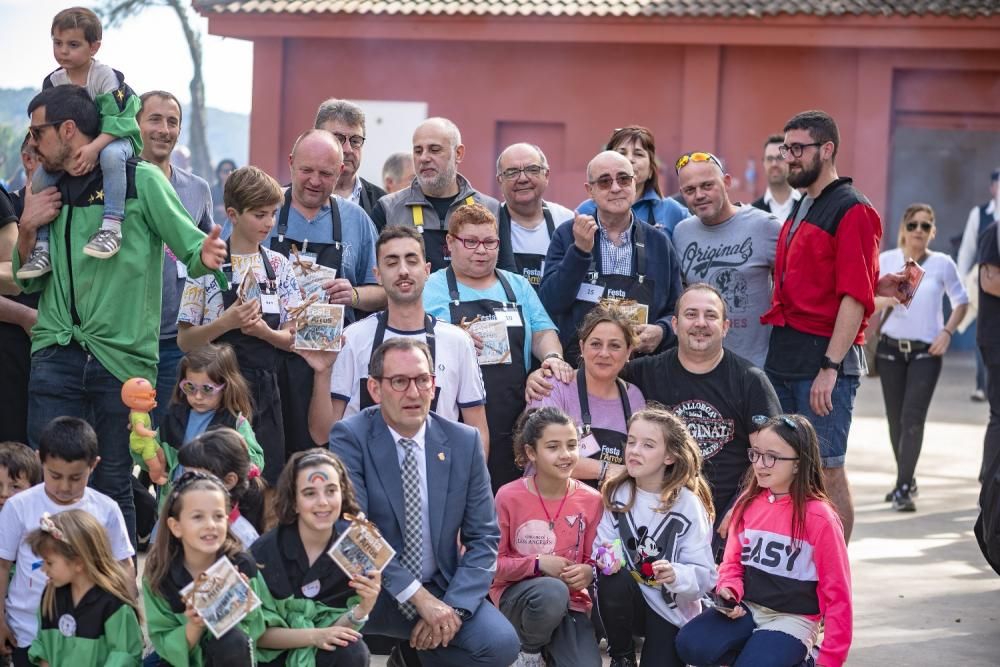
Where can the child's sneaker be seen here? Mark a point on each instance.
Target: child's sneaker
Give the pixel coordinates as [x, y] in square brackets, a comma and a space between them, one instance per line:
[38, 264]
[103, 244]
[525, 659]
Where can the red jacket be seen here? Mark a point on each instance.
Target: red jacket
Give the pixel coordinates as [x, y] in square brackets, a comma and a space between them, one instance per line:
[832, 254]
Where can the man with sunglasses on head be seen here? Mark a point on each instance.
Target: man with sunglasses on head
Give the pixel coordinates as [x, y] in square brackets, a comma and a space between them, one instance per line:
[612, 255]
[826, 273]
[729, 245]
[523, 176]
[501, 310]
[436, 193]
[347, 123]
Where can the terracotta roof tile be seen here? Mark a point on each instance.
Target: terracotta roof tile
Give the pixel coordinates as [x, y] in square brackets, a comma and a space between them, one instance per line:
[667, 8]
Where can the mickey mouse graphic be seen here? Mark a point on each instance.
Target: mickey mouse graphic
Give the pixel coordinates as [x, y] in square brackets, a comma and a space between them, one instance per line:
[646, 551]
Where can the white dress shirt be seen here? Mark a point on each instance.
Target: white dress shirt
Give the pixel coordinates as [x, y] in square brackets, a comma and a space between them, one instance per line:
[428, 560]
[781, 211]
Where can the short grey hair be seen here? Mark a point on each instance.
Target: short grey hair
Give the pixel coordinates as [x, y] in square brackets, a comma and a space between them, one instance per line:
[394, 164]
[541, 155]
[376, 366]
[450, 129]
[342, 110]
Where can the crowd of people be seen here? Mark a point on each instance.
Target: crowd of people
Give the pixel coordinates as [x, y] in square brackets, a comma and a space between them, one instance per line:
[624, 419]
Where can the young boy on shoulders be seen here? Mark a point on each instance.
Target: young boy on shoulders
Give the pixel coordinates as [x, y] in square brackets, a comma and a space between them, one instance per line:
[19, 469]
[67, 450]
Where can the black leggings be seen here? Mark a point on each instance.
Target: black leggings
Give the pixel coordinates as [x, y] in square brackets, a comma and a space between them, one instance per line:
[625, 613]
[908, 382]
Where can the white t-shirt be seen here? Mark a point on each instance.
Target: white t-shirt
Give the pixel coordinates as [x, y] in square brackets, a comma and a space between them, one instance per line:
[21, 515]
[456, 368]
[536, 241]
[924, 318]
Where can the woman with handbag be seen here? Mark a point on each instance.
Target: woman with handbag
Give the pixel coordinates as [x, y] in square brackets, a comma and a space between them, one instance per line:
[913, 340]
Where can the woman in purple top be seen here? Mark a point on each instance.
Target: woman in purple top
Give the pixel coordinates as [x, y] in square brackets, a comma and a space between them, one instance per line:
[599, 402]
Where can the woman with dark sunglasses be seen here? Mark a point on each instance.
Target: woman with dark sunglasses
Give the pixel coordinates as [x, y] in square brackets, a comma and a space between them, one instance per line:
[913, 340]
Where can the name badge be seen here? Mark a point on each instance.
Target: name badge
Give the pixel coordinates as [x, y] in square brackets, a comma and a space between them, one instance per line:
[510, 316]
[182, 269]
[589, 446]
[311, 589]
[590, 292]
[269, 304]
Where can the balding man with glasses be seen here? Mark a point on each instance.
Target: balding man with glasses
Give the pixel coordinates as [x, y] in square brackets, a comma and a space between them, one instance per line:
[523, 176]
[614, 256]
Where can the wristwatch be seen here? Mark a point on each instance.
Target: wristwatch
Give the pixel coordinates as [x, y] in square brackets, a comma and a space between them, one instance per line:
[553, 355]
[463, 614]
[831, 364]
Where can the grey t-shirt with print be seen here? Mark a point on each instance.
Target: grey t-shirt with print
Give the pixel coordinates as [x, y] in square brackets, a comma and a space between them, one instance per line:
[736, 257]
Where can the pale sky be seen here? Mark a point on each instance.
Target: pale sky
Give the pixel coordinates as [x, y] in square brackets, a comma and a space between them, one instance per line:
[149, 49]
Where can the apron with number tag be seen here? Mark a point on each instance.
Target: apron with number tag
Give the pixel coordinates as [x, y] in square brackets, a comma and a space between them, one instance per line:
[529, 264]
[611, 444]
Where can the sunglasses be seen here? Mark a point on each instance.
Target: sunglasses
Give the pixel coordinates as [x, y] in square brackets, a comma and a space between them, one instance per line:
[607, 181]
[190, 388]
[687, 158]
[36, 130]
[926, 226]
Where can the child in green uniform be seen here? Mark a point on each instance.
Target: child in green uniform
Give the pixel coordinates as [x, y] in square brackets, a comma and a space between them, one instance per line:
[88, 614]
[193, 535]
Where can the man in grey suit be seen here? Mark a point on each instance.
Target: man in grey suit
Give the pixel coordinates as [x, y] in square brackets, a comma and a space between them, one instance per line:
[423, 481]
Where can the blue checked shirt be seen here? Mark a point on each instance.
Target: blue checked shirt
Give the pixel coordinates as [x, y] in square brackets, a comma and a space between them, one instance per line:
[616, 260]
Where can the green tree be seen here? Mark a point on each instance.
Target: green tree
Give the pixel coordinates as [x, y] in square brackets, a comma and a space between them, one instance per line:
[10, 149]
[115, 12]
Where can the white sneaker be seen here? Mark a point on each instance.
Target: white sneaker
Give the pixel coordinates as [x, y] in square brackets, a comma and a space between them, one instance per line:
[529, 660]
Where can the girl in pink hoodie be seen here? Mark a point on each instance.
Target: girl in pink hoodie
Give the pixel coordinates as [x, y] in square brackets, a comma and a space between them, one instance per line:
[785, 569]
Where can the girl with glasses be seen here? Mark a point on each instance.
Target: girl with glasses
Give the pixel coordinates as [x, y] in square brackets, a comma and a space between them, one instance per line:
[913, 341]
[785, 572]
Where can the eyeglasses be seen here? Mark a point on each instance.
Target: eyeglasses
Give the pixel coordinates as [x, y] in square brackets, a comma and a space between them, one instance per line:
[356, 140]
[687, 158]
[926, 226]
[772, 159]
[767, 458]
[472, 244]
[401, 383]
[36, 130]
[795, 150]
[760, 421]
[531, 171]
[605, 182]
[190, 388]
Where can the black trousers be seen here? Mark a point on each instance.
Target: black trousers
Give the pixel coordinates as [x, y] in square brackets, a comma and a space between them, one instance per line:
[908, 382]
[625, 613]
[15, 366]
[991, 442]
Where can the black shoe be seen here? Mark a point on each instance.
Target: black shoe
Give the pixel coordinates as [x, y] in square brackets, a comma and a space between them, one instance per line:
[914, 491]
[624, 661]
[902, 500]
[403, 656]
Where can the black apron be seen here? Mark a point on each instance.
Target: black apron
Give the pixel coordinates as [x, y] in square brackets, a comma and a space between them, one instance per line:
[435, 240]
[637, 287]
[528, 264]
[258, 361]
[366, 400]
[504, 382]
[295, 377]
[612, 442]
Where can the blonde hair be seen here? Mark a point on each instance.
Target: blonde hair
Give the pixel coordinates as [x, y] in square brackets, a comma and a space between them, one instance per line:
[683, 473]
[78, 536]
[908, 214]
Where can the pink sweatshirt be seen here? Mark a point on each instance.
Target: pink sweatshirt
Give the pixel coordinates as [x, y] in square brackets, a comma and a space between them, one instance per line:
[812, 579]
[524, 532]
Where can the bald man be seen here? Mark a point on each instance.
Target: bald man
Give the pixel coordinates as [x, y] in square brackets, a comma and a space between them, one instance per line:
[611, 255]
[436, 193]
[335, 233]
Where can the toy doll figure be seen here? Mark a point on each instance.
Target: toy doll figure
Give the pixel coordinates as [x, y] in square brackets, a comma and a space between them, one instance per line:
[138, 394]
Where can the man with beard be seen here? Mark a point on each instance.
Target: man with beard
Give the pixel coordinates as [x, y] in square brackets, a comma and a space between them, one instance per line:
[159, 120]
[403, 270]
[346, 121]
[729, 246]
[437, 192]
[99, 320]
[826, 272]
[780, 197]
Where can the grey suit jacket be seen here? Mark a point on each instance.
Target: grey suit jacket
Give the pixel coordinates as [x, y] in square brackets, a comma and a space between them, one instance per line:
[460, 500]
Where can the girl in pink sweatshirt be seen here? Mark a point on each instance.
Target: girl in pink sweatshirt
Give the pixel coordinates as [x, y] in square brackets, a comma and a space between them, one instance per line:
[547, 526]
[785, 569]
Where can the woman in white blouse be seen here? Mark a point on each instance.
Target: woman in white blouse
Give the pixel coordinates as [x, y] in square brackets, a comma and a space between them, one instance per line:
[913, 341]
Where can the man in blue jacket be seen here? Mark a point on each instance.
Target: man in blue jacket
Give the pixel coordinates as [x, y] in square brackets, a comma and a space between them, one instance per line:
[611, 256]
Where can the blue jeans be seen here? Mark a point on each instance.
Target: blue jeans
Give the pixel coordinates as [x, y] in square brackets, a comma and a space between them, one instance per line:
[486, 639]
[166, 377]
[832, 430]
[67, 381]
[112, 159]
[714, 639]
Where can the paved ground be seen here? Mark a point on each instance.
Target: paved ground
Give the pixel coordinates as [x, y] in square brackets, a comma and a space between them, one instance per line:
[923, 595]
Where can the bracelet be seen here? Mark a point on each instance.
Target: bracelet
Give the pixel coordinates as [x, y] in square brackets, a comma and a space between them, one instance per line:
[553, 355]
[354, 619]
[950, 334]
[603, 473]
[355, 298]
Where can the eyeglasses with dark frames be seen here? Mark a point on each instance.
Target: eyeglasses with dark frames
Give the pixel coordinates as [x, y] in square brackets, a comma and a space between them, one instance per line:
[401, 383]
[767, 458]
[926, 226]
[36, 130]
[472, 244]
[355, 140]
[795, 150]
[531, 171]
